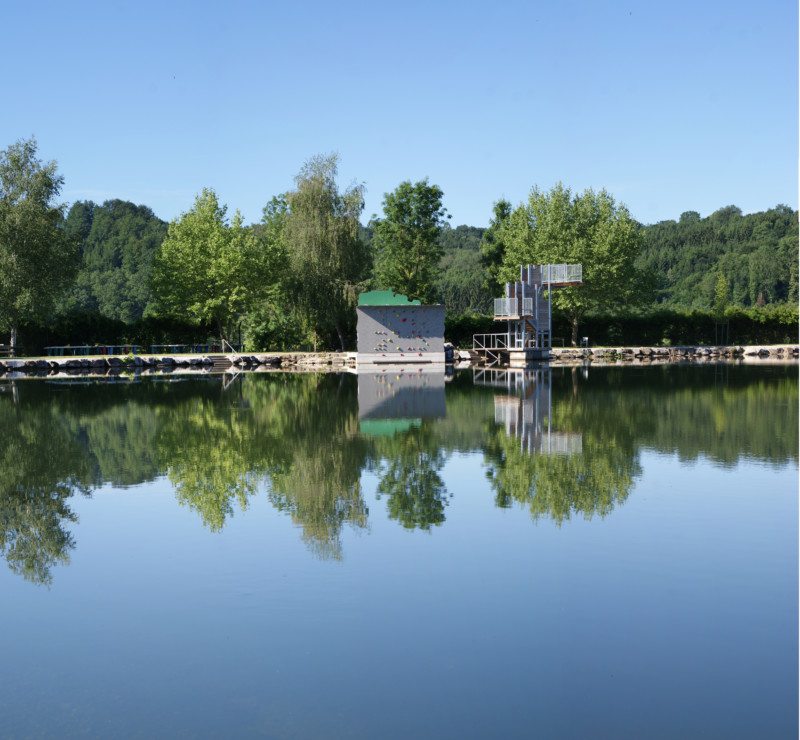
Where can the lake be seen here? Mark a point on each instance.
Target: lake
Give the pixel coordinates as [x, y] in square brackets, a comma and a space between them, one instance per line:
[601, 552]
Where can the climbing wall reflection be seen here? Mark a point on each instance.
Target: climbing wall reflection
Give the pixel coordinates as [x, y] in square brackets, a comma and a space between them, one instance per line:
[398, 395]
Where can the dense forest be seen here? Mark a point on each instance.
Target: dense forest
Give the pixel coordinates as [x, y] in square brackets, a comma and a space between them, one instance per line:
[757, 253]
[115, 271]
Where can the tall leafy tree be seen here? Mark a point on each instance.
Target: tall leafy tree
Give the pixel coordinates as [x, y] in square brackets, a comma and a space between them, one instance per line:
[721, 295]
[205, 269]
[273, 320]
[118, 241]
[37, 258]
[589, 228]
[493, 245]
[328, 259]
[407, 239]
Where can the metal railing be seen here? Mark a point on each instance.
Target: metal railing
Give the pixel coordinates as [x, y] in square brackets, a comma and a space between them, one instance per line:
[510, 307]
[562, 273]
[229, 378]
[490, 341]
[233, 350]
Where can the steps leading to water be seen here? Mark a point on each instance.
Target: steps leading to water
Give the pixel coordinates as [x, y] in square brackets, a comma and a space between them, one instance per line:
[220, 362]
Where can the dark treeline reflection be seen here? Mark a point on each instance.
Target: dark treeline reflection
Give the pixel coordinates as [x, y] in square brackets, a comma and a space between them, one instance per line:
[560, 443]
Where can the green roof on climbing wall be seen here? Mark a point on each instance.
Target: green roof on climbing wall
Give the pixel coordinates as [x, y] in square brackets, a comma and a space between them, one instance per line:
[385, 298]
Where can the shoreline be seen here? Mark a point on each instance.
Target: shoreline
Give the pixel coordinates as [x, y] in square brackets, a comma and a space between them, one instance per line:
[193, 364]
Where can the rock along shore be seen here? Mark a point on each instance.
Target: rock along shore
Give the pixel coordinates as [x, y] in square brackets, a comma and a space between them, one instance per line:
[178, 364]
[695, 353]
[338, 361]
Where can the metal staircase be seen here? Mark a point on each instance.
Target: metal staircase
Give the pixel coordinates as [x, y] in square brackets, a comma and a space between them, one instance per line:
[526, 309]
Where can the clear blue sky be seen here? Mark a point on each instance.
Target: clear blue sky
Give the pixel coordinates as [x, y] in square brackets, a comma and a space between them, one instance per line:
[671, 106]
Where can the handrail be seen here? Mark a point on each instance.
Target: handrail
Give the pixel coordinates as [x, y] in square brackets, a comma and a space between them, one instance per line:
[238, 367]
[564, 273]
[233, 351]
[490, 341]
[510, 307]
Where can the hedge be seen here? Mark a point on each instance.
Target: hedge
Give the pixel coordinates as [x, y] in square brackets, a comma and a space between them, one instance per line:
[92, 328]
[660, 327]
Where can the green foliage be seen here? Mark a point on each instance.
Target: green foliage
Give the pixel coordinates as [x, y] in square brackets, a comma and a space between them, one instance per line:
[407, 240]
[291, 281]
[272, 320]
[658, 326]
[460, 284]
[587, 228]
[721, 294]
[118, 242]
[758, 254]
[37, 258]
[328, 261]
[494, 246]
[459, 238]
[665, 326]
[460, 328]
[207, 268]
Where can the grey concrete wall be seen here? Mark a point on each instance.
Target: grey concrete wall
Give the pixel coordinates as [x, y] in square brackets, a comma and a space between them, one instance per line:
[400, 333]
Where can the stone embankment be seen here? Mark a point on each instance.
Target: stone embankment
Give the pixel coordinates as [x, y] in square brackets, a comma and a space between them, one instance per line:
[177, 363]
[338, 361]
[618, 355]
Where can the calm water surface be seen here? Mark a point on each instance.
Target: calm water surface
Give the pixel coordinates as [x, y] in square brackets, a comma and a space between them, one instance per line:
[566, 553]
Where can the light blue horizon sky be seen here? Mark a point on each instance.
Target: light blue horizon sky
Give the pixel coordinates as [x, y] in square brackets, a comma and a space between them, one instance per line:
[670, 106]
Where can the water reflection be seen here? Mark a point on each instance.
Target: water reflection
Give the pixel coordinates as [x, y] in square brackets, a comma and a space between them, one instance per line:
[525, 410]
[395, 407]
[559, 443]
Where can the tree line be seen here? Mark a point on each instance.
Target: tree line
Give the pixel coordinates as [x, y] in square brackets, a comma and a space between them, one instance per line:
[291, 280]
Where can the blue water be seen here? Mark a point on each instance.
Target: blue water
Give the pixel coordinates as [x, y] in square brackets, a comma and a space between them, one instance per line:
[640, 581]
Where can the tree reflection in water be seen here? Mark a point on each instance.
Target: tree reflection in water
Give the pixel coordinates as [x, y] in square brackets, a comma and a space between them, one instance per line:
[298, 440]
[544, 458]
[41, 467]
[398, 409]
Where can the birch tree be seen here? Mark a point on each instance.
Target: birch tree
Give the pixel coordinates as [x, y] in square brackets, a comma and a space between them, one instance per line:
[328, 260]
[38, 261]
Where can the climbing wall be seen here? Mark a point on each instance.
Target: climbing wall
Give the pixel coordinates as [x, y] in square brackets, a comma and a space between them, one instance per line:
[400, 334]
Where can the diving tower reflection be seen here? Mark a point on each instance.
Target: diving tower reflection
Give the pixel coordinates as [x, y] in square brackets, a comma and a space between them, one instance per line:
[525, 410]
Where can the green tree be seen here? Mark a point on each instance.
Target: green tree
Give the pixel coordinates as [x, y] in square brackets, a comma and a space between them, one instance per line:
[37, 258]
[207, 268]
[118, 242]
[328, 259]
[460, 283]
[493, 245]
[406, 239]
[721, 296]
[589, 228]
[273, 321]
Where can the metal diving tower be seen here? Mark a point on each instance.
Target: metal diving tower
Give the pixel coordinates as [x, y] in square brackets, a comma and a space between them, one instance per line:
[527, 310]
